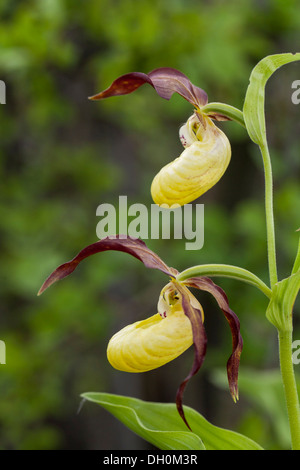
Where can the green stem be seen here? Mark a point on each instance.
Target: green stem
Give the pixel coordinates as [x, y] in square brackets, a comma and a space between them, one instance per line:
[290, 386]
[269, 213]
[225, 110]
[285, 336]
[225, 270]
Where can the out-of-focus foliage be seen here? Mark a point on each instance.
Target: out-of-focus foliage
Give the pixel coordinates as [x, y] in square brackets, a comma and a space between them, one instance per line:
[264, 389]
[61, 156]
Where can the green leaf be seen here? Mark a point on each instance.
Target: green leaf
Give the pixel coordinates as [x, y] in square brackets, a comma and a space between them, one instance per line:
[296, 266]
[254, 105]
[161, 425]
[280, 308]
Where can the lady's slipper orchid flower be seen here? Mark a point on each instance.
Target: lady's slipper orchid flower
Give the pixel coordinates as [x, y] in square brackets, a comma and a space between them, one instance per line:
[207, 150]
[151, 343]
[199, 167]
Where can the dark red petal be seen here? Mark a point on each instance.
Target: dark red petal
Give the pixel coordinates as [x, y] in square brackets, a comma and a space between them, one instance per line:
[132, 246]
[124, 85]
[206, 284]
[218, 117]
[200, 341]
[165, 80]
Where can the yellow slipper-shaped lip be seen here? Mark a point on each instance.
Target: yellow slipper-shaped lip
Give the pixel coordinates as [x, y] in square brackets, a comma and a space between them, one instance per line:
[199, 167]
[151, 343]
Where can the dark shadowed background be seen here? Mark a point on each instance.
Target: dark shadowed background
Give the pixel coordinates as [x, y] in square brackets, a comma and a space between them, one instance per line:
[62, 155]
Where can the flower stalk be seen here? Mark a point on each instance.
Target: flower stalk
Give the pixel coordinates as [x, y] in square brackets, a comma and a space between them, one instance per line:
[226, 270]
[284, 334]
[270, 225]
[223, 112]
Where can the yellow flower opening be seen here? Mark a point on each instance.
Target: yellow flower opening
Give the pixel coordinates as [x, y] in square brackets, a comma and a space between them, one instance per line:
[151, 343]
[199, 167]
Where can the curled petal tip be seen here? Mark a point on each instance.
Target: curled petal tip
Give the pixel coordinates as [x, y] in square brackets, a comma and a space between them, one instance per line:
[235, 394]
[95, 97]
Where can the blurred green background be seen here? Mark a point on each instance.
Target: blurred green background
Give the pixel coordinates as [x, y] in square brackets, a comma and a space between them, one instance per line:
[62, 155]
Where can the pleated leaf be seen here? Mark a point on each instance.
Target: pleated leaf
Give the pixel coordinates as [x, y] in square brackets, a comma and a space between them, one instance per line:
[161, 425]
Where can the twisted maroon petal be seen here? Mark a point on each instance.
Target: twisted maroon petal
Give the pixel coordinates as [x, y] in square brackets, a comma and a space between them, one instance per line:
[165, 80]
[206, 284]
[200, 341]
[132, 246]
